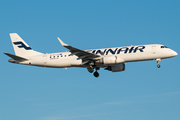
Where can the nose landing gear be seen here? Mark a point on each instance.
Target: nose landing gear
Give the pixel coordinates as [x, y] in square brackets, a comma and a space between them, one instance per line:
[158, 61]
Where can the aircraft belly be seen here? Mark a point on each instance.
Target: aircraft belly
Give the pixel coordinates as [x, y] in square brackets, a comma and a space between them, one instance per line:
[63, 62]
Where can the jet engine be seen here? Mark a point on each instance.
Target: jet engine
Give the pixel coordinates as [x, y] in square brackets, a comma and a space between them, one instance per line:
[108, 60]
[116, 68]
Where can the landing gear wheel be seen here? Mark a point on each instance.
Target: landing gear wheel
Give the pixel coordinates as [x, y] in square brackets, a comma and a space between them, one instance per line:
[96, 74]
[158, 61]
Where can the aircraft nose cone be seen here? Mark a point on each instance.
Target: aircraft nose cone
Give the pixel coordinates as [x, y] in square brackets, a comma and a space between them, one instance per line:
[174, 53]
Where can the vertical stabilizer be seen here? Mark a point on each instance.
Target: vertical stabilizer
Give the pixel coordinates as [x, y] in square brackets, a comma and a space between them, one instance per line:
[21, 48]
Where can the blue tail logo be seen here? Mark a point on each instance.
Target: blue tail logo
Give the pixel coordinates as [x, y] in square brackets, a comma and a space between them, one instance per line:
[22, 45]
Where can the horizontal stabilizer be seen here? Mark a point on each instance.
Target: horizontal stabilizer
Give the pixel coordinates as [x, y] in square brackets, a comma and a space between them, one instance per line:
[15, 57]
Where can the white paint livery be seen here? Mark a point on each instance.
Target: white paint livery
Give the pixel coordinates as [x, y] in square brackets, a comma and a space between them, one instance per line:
[112, 59]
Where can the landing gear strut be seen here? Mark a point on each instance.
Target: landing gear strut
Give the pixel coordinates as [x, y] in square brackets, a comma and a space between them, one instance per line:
[158, 61]
[91, 69]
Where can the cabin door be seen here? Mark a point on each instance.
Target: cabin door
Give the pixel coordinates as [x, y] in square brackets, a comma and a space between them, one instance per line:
[45, 58]
[154, 49]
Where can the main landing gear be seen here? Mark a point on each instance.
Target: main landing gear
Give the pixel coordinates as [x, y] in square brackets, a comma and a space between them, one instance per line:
[91, 70]
[158, 61]
[96, 74]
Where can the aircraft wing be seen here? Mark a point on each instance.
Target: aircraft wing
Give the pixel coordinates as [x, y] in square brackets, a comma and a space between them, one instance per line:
[81, 54]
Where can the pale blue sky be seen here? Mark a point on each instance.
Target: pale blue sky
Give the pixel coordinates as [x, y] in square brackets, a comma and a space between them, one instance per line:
[141, 92]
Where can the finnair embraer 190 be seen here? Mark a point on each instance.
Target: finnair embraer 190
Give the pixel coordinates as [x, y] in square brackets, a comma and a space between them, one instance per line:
[112, 59]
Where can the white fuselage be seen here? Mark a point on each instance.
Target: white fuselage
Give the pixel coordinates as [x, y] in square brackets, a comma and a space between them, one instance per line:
[111, 59]
[126, 54]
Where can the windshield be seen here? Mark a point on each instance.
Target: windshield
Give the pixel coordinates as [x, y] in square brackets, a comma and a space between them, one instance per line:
[164, 47]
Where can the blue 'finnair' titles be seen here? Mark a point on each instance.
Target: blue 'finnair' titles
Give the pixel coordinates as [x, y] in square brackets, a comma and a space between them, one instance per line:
[119, 50]
[111, 59]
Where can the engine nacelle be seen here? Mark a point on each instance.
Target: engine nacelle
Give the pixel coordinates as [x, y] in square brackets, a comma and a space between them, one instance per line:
[116, 68]
[108, 60]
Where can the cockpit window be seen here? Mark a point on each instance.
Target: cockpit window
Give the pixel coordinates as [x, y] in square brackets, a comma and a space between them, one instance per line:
[164, 47]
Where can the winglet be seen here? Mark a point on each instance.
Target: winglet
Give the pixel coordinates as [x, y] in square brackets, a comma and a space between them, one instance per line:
[62, 43]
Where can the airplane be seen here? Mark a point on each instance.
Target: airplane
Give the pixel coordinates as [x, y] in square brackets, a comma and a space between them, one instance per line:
[111, 59]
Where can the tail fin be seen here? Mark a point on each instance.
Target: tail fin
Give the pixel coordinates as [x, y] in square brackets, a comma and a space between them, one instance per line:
[21, 48]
